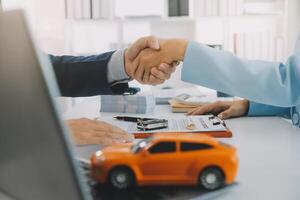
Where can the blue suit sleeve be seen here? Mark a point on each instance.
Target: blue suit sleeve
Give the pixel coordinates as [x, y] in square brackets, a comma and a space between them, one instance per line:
[271, 83]
[79, 76]
[258, 109]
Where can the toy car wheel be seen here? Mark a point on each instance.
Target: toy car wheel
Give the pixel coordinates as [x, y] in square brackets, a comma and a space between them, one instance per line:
[121, 178]
[211, 178]
[296, 118]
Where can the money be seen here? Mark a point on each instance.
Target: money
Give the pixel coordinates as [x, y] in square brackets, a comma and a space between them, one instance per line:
[135, 104]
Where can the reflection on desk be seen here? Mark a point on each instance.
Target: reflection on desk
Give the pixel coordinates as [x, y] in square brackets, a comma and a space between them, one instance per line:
[157, 193]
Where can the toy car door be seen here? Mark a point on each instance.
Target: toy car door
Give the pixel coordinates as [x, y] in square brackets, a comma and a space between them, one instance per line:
[192, 157]
[159, 164]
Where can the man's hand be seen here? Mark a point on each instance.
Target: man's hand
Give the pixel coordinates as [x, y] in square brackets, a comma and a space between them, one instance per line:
[160, 74]
[171, 51]
[141, 44]
[86, 131]
[224, 109]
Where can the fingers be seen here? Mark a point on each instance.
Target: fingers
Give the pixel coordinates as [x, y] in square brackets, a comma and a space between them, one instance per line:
[227, 114]
[213, 108]
[238, 108]
[163, 71]
[146, 75]
[86, 131]
[155, 81]
[152, 42]
[142, 43]
[112, 131]
[120, 134]
[196, 111]
[224, 110]
[144, 63]
[167, 69]
[201, 110]
[158, 75]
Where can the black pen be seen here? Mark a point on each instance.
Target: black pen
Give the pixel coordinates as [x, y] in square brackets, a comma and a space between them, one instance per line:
[131, 119]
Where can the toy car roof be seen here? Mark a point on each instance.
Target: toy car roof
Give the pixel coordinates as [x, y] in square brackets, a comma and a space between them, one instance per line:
[187, 137]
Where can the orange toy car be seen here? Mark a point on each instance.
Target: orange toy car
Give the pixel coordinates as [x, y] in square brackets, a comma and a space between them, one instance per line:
[167, 159]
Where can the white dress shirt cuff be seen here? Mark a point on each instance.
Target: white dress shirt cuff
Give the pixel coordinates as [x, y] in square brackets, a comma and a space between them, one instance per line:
[116, 68]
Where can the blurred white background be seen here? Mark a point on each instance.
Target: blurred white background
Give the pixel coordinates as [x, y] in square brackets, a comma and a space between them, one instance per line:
[254, 29]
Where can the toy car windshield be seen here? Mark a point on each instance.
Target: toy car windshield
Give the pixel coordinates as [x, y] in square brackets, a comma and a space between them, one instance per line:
[140, 145]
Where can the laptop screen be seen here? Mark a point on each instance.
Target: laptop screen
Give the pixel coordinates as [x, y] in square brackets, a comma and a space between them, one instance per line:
[35, 157]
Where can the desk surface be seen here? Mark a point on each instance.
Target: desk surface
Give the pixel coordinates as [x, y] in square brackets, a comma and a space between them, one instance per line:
[269, 153]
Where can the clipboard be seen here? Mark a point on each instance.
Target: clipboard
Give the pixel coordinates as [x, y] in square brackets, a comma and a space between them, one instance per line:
[215, 121]
[217, 134]
[205, 124]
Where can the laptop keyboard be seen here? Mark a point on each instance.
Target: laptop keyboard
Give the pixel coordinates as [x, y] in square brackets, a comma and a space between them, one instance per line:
[92, 188]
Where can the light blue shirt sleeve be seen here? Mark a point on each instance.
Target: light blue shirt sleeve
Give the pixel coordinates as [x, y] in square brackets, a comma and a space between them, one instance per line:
[258, 109]
[271, 83]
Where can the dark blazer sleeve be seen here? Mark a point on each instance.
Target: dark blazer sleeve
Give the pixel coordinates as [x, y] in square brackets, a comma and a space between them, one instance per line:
[80, 76]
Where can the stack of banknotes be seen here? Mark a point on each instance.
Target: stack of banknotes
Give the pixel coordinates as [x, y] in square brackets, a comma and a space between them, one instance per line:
[139, 104]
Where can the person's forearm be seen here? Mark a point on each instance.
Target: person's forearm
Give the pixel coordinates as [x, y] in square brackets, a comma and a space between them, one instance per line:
[265, 82]
[258, 109]
[79, 76]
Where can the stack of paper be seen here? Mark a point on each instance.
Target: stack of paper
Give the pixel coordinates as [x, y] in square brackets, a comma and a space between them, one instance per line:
[163, 96]
[180, 108]
[127, 104]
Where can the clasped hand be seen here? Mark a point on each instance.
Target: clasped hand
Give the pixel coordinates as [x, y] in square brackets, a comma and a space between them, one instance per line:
[155, 63]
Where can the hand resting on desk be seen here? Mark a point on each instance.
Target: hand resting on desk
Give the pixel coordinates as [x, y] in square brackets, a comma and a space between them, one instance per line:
[224, 109]
[87, 131]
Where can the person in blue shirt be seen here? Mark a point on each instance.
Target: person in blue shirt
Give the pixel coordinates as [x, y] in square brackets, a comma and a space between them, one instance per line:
[272, 87]
[280, 97]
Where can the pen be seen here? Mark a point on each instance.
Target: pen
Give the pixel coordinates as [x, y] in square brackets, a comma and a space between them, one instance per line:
[219, 121]
[131, 119]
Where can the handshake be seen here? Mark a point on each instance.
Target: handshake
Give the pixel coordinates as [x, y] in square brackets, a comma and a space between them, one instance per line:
[149, 61]
[152, 61]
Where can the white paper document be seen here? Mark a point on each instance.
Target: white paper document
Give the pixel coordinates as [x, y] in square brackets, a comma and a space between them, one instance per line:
[201, 123]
